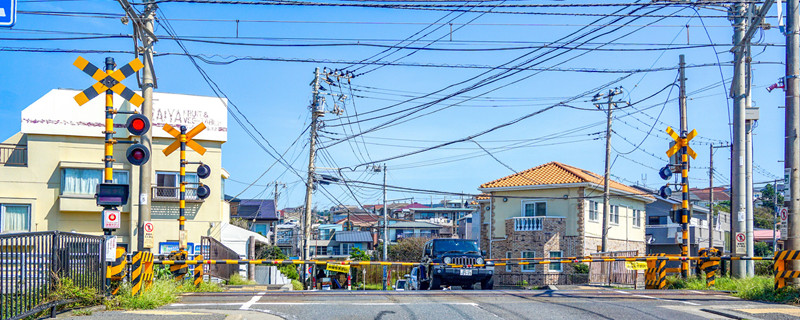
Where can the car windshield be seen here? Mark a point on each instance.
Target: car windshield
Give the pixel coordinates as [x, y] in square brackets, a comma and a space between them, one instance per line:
[463, 246]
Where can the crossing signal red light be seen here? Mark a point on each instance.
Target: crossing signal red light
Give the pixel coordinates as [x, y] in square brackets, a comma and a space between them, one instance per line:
[137, 154]
[203, 171]
[203, 192]
[137, 124]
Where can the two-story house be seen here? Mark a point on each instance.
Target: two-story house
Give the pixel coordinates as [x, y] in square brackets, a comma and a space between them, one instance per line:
[49, 171]
[556, 210]
[259, 213]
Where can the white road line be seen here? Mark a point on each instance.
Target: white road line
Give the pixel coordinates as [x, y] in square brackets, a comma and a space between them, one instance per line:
[697, 292]
[253, 300]
[649, 297]
[622, 292]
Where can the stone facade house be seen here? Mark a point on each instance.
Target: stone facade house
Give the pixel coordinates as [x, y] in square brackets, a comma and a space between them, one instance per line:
[556, 210]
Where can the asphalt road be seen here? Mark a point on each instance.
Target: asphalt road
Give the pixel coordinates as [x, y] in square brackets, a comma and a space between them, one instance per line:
[584, 303]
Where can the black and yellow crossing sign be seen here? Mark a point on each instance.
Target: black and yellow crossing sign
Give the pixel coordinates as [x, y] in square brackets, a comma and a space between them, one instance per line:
[681, 142]
[189, 142]
[106, 81]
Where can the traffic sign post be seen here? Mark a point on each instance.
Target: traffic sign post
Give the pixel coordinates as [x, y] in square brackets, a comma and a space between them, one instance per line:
[784, 215]
[111, 219]
[8, 13]
[182, 140]
[741, 245]
[149, 241]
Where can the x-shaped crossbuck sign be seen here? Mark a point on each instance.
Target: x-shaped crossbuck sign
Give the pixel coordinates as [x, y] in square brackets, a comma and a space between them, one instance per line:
[189, 142]
[681, 142]
[107, 81]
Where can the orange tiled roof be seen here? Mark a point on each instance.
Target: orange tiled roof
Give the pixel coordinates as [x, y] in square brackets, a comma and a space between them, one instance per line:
[555, 173]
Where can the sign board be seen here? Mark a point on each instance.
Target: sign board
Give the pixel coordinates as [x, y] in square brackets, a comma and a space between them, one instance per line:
[111, 248]
[787, 178]
[784, 215]
[741, 246]
[111, 219]
[8, 13]
[182, 235]
[635, 265]
[338, 267]
[169, 246]
[149, 241]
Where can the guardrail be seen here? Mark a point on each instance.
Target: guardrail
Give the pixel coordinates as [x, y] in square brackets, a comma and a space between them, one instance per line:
[32, 264]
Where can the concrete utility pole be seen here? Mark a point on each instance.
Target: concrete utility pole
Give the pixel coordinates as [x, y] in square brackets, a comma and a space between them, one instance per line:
[738, 185]
[317, 110]
[610, 104]
[275, 228]
[792, 147]
[710, 215]
[385, 228]
[775, 216]
[684, 131]
[148, 83]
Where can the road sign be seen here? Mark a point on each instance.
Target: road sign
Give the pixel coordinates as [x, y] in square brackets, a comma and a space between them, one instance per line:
[681, 142]
[784, 213]
[741, 246]
[337, 267]
[111, 219]
[636, 265]
[106, 81]
[111, 248]
[149, 241]
[787, 179]
[8, 13]
[182, 238]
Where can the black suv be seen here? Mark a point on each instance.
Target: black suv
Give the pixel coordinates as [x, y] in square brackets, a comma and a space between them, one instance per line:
[440, 253]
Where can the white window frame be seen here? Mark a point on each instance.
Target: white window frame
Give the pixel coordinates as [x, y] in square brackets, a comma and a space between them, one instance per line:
[531, 266]
[613, 213]
[637, 218]
[509, 254]
[560, 256]
[594, 206]
[190, 194]
[534, 202]
[88, 195]
[349, 246]
[3, 212]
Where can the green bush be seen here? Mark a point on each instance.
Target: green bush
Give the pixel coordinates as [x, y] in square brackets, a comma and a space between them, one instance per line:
[759, 288]
[296, 285]
[162, 292]
[290, 271]
[161, 271]
[763, 268]
[237, 280]
[580, 268]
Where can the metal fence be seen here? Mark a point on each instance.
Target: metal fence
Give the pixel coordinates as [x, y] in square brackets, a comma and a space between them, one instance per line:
[13, 154]
[32, 263]
[211, 249]
[614, 272]
[538, 279]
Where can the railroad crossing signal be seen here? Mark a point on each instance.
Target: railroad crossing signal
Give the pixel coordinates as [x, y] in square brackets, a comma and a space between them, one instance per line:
[182, 140]
[107, 81]
[189, 142]
[681, 142]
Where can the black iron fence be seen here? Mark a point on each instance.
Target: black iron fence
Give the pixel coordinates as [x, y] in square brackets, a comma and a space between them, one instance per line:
[211, 249]
[31, 264]
[13, 154]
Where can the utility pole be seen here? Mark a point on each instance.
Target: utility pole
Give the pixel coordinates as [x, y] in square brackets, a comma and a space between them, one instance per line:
[385, 228]
[317, 110]
[774, 216]
[710, 215]
[275, 228]
[738, 179]
[148, 83]
[792, 147]
[610, 104]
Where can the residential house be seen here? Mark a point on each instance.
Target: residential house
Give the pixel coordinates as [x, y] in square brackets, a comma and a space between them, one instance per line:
[554, 210]
[50, 169]
[400, 229]
[290, 234]
[702, 195]
[359, 222]
[663, 232]
[259, 213]
[466, 229]
[340, 244]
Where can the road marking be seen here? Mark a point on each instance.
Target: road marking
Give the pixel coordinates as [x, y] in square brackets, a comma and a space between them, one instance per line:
[697, 292]
[622, 292]
[253, 300]
[790, 311]
[167, 312]
[659, 299]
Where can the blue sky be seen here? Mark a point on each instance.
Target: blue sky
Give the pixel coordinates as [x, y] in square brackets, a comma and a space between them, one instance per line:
[275, 95]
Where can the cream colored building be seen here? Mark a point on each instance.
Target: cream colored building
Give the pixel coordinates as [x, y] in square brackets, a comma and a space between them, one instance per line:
[50, 169]
[556, 210]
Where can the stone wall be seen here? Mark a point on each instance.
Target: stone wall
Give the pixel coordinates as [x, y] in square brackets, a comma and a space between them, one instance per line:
[592, 244]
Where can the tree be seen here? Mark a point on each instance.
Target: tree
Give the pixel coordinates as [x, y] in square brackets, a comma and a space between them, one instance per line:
[358, 255]
[768, 196]
[763, 217]
[762, 249]
[241, 223]
[408, 249]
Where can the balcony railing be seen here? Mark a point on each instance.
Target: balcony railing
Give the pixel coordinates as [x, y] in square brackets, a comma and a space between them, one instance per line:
[528, 223]
[174, 193]
[13, 154]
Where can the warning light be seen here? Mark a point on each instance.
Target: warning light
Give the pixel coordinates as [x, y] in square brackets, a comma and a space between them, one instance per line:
[137, 154]
[137, 124]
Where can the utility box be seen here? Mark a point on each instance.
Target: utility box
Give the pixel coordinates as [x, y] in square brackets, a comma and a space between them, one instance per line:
[751, 114]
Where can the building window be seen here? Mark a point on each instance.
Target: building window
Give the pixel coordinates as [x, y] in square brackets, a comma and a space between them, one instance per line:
[508, 256]
[614, 214]
[528, 267]
[347, 248]
[637, 218]
[322, 251]
[168, 184]
[534, 209]
[15, 218]
[76, 181]
[594, 207]
[555, 266]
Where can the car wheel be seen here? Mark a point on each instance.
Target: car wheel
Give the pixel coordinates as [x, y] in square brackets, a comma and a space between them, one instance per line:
[436, 283]
[487, 284]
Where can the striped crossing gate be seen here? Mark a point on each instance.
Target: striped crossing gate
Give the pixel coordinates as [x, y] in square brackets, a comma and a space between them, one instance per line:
[116, 270]
[779, 266]
[710, 267]
[198, 272]
[179, 270]
[656, 275]
[140, 277]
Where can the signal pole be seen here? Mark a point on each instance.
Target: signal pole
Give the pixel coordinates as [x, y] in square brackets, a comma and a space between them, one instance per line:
[148, 83]
[317, 110]
[610, 104]
[684, 171]
[710, 215]
[738, 185]
[792, 147]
